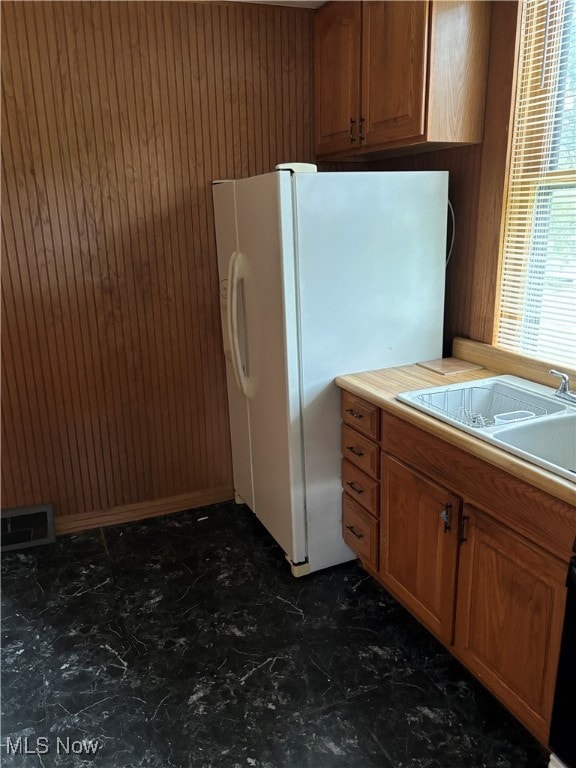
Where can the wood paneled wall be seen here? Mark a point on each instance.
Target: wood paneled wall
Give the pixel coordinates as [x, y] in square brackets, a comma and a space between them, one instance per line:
[115, 119]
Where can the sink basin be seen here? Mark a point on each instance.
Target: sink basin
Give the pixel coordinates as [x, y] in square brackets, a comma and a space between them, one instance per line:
[550, 443]
[516, 415]
[485, 403]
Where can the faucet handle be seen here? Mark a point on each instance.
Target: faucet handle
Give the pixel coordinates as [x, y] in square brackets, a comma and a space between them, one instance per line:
[565, 380]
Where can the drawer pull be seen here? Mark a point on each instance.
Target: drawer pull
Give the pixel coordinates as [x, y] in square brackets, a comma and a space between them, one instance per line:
[355, 532]
[355, 414]
[355, 451]
[356, 488]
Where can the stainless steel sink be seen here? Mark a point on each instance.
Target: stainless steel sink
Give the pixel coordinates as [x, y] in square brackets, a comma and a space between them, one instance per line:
[519, 416]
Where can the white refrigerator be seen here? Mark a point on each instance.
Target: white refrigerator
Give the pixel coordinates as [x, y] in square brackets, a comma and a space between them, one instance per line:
[321, 274]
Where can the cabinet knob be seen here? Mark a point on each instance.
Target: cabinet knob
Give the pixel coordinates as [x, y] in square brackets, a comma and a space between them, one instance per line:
[445, 517]
[462, 529]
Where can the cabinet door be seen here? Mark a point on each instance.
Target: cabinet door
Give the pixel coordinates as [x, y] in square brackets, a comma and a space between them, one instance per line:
[419, 545]
[337, 35]
[510, 608]
[393, 71]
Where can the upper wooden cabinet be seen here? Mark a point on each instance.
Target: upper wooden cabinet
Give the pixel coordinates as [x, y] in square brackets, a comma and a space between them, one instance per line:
[393, 75]
[337, 32]
[393, 71]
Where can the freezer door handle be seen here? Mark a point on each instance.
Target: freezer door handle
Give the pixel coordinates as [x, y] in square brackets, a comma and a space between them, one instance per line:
[235, 275]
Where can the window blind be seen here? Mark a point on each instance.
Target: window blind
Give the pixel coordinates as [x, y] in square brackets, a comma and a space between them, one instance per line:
[536, 303]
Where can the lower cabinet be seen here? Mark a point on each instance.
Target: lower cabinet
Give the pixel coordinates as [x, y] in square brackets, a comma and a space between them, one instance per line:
[361, 479]
[419, 545]
[509, 614]
[493, 596]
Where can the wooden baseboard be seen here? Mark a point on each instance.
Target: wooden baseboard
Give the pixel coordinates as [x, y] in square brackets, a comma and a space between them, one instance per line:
[142, 510]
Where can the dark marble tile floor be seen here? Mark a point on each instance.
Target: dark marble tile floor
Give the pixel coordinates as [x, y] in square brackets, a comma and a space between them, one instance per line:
[185, 641]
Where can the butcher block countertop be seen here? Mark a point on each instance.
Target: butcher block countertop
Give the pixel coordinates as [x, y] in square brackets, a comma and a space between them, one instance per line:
[380, 387]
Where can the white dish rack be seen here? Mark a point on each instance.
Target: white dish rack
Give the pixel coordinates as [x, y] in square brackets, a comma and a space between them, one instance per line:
[480, 407]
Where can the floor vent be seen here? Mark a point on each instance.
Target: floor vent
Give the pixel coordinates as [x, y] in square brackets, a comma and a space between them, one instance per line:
[27, 527]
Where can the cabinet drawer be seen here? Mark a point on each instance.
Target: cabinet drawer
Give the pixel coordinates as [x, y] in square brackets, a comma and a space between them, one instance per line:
[360, 531]
[362, 488]
[361, 451]
[361, 415]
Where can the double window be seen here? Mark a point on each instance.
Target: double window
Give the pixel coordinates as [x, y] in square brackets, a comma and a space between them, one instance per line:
[536, 304]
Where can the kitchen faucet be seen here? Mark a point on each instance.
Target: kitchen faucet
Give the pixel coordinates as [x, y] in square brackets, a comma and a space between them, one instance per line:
[563, 390]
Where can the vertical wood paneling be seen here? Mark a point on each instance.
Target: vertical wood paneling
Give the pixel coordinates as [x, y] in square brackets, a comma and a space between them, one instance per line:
[115, 119]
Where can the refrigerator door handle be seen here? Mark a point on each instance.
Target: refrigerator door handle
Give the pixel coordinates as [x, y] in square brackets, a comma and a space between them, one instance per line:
[235, 275]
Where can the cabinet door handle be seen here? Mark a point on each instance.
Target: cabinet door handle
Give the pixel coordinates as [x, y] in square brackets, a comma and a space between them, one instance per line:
[462, 530]
[361, 136]
[355, 451]
[445, 517]
[355, 414]
[352, 124]
[354, 532]
[356, 488]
